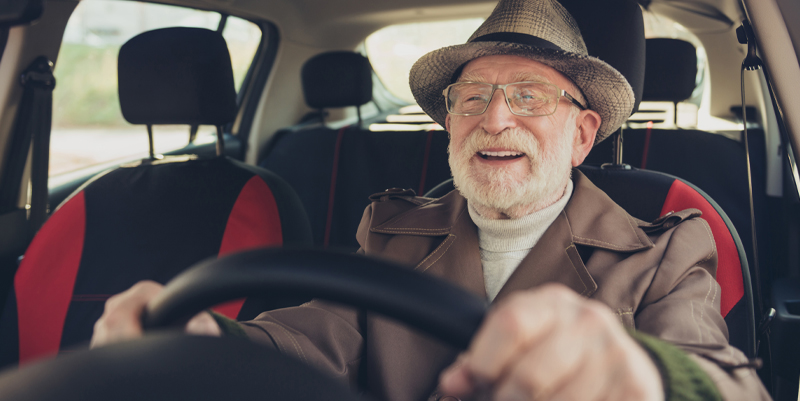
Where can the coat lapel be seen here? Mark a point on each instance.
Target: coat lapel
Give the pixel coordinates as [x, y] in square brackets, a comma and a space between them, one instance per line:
[553, 259]
[457, 257]
[590, 219]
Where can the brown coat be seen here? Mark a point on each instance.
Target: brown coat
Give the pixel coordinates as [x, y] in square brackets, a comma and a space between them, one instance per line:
[660, 283]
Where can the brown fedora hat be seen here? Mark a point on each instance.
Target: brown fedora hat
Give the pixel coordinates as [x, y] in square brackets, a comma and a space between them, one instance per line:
[541, 30]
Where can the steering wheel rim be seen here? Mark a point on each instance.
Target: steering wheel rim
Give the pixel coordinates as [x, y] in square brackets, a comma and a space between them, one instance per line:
[427, 303]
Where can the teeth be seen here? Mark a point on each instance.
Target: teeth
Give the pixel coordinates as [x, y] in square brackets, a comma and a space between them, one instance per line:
[504, 153]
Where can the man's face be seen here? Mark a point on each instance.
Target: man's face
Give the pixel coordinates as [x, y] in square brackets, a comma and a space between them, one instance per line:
[506, 165]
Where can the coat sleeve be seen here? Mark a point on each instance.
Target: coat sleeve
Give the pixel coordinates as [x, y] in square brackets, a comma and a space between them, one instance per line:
[318, 333]
[324, 335]
[682, 307]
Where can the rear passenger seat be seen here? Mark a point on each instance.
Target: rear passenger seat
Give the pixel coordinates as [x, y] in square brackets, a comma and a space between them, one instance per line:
[334, 171]
[714, 162]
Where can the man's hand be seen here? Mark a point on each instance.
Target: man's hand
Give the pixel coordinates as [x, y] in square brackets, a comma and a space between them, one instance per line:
[122, 317]
[551, 344]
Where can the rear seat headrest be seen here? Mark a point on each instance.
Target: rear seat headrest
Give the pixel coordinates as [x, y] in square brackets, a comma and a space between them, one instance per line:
[337, 79]
[671, 70]
[613, 31]
[176, 76]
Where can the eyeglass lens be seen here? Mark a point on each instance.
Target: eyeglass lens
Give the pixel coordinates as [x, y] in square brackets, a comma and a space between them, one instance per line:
[524, 98]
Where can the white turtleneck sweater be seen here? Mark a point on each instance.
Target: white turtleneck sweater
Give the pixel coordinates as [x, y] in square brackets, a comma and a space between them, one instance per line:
[504, 243]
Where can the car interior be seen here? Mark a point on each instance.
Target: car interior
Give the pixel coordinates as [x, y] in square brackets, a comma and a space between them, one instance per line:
[275, 123]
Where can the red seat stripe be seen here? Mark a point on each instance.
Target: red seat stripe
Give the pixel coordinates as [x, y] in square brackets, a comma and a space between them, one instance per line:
[254, 222]
[646, 149]
[46, 278]
[332, 193]
[729, 267]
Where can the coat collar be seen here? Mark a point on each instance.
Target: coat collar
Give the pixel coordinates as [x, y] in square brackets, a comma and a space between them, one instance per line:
[590, 219]
[594, 219]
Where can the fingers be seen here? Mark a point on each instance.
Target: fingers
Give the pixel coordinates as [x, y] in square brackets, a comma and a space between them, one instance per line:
[550, 343]
[568, 366]
[514, 325]
[519, 323]
[121, 319]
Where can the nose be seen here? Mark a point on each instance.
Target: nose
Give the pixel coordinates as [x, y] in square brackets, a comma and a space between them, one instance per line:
[498, 116]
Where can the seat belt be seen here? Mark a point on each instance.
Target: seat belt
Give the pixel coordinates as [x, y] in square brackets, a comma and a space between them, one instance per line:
[34, 124]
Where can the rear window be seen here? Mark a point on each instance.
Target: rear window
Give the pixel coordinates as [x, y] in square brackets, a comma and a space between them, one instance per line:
[88, 127]
[394, 49]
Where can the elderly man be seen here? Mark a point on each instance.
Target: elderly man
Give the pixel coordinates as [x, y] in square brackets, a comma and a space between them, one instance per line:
[574, 280]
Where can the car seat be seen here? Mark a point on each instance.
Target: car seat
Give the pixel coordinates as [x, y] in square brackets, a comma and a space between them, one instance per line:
[153, 218]
[714, 162]
[340, 168]
[648, 195]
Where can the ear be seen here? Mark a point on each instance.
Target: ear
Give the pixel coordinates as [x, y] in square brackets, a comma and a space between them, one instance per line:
[447, 123]
[587, 124]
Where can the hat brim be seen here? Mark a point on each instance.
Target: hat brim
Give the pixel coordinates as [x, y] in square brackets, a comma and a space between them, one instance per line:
[607, 92]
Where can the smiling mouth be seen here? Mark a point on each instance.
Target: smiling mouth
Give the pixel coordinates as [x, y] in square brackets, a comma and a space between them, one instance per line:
[503, 155]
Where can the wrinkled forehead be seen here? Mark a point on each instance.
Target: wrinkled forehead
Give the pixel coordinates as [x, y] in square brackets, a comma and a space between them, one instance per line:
[503, 69]
[519, 76]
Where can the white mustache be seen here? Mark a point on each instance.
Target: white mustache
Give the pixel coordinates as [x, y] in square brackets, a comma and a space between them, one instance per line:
[512, 139]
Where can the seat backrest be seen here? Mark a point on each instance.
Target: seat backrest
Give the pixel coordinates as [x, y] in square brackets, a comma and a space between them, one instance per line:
[149, 220]
[713, 162]
[648, 195]
[334, 171]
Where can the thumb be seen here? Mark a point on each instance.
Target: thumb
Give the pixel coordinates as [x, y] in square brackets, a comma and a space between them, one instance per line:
[456, 380]
[203, 324]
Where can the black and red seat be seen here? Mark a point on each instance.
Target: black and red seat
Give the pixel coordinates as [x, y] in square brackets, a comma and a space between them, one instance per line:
[647, 195]
[154, 218]
[714, 162]
[342, 167]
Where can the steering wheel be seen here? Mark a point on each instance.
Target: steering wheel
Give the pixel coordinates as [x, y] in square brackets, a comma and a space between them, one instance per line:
[174, 366]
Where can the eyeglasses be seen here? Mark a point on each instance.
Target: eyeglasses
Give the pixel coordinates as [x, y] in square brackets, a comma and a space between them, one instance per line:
[523, 98]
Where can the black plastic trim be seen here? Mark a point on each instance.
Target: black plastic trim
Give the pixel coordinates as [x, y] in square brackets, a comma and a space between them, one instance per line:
[262, 68]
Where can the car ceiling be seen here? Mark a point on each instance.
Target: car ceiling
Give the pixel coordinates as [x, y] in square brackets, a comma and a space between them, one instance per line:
[344, 23]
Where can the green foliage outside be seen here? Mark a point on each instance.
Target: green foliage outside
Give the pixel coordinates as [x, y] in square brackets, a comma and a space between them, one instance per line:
[86, 84]
[86, 87]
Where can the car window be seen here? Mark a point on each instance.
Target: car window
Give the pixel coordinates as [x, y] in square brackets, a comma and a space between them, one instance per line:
[394, 49]
[88, 127]
[692, 113]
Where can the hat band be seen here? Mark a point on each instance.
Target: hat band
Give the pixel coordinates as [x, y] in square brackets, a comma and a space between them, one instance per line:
[519, 38]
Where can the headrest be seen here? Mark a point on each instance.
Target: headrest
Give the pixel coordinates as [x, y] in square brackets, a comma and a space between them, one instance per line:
[337, 79]
[176, 76]
[671, 70]
[613, 31]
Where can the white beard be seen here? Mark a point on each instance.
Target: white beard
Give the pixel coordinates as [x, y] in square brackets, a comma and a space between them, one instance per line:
[504, 191]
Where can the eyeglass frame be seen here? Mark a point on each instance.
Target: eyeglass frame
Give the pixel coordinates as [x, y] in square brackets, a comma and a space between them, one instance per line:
[495, 87]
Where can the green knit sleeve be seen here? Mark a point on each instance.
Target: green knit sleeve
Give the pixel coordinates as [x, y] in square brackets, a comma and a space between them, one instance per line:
[229, 327]
[683, 379]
